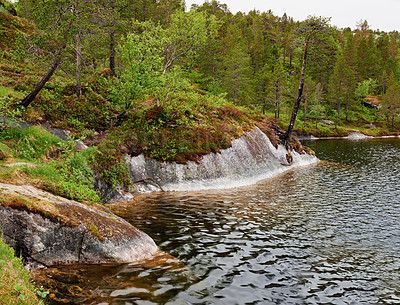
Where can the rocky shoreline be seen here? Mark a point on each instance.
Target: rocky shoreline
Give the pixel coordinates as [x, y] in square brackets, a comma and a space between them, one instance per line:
[50, 230]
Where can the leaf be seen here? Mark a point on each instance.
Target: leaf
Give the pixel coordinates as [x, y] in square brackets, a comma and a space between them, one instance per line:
[18, 287]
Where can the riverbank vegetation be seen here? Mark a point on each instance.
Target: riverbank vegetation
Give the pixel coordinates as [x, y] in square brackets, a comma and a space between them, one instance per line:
[15, 288]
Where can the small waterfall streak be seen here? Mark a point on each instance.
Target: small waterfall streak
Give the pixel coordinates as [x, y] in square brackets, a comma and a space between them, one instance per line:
[251, 158]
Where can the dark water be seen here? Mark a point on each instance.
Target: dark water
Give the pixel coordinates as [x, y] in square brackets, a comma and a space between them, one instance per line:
[324, 234]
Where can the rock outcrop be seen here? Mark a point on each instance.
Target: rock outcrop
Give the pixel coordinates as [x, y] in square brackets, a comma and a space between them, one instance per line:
[51, 230]
[251, 158]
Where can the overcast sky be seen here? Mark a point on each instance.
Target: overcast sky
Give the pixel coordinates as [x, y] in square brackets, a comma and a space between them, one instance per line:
[382, 14]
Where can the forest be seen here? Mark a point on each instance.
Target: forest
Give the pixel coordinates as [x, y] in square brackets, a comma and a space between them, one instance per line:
[156, 49]
[174, 83]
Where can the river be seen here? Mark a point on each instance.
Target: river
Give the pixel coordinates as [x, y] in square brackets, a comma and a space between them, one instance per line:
[323, 234]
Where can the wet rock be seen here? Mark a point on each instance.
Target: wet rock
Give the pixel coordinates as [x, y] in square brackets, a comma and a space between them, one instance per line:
[51, 230]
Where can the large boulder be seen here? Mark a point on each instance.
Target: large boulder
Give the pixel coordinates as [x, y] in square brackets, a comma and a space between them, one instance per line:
[51, 230]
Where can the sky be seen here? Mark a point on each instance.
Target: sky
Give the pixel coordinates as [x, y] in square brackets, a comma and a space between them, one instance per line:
[383, 14]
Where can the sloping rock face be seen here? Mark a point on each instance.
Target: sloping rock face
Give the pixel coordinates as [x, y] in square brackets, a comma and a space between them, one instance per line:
[251, 158]
[51, 230]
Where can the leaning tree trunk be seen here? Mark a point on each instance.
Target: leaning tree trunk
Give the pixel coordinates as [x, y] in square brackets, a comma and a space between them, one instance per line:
[288, 133]
[31, 96]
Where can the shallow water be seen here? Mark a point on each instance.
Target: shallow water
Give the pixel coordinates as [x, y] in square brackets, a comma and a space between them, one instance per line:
[324, 234]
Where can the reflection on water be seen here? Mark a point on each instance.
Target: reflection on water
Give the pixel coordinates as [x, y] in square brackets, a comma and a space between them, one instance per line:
[325, 234]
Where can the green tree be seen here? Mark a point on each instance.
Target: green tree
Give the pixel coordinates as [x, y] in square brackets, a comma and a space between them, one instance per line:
[152, 51]
[313, 29]
[237, 74]
[236, 67]
[319, 95]
[365, 88]
[309, 89]
[391, 99]
[57, 19]
[141, 64]
[185, 35]
[342, 85]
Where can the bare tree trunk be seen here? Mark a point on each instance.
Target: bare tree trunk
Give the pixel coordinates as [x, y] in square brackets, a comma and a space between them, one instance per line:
[78, 65]
[394, 113]
[276, 101]
[288, 134]
[31, 96]
[25, 10]
[112, 53]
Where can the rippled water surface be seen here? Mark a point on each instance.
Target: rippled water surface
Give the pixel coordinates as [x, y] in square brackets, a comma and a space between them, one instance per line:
[324, 234]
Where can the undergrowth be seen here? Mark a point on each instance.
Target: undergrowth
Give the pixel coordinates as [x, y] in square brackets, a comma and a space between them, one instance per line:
[15, 288]
[57, 166]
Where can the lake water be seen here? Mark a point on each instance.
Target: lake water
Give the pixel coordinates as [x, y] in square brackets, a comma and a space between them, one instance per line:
[324, 234]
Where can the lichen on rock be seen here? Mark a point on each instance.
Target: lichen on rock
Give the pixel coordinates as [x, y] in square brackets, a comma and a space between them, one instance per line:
[51, 230]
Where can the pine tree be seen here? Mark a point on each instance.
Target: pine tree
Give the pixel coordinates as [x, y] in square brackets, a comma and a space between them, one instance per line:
[391, 99]
[342, 85]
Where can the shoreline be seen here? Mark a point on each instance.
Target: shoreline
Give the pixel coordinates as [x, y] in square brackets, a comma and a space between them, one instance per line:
[356, 136]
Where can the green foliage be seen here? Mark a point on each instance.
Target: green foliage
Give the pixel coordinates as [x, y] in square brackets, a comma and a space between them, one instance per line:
[15, 288]
[68, 173]
[365, 88]
[183, 127]
[149, 56]
[32, 143]
[141, 61]
[109, 161]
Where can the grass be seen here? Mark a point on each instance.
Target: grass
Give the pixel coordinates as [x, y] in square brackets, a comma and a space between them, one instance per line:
[15, 288]
[58, 167]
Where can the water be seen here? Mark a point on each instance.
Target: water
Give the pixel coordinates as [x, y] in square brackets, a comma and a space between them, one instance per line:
[324, 234]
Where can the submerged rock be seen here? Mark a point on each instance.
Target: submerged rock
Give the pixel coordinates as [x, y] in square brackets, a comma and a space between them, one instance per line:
[51, 230]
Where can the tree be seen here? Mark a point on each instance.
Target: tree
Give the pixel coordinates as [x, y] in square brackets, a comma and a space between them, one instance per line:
[141, 64]
[186, 33]
[114, 20]
[309, 88]
[152, 52]
[342, 84]
[278, 86]
[56, 18]
[237, 74]
[236, 64]
[319, 93]
[31, 96]
[391, 98]
[314, 28]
